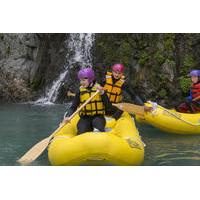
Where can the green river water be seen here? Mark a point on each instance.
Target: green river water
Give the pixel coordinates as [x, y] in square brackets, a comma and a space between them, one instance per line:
[23, 125]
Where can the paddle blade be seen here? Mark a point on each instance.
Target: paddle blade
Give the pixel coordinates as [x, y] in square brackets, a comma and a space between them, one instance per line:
[130, 108]
[70, 94]
[34, 152]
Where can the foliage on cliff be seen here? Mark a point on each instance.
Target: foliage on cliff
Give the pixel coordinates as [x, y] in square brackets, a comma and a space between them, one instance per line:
[156, 64]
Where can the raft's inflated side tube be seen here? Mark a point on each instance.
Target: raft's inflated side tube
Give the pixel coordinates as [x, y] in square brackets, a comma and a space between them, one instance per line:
[120, 146]
[171, 121]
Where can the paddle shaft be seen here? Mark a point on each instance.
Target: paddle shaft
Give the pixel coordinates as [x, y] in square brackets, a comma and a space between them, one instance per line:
[72, 116]
[127, 107]
[77, 111]
[195, 99]
[83, 105]
[38, 148]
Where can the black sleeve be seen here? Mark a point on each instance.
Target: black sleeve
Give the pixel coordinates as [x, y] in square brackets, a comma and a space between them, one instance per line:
[106, 101]
[75, 104]
[102, 82]
[135, 98]
[115, 112]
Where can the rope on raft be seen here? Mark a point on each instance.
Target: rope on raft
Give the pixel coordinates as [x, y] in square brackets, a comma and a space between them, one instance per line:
[155, 106]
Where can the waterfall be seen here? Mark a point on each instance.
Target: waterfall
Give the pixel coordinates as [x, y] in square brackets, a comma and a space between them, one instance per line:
[79, 51]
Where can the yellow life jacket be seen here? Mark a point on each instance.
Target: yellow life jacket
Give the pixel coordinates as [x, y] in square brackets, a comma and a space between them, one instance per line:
[95, 106]
[114, 90]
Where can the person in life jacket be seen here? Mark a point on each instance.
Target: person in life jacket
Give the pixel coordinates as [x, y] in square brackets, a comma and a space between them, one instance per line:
[192, 103]
[92, 115]
[114, 83]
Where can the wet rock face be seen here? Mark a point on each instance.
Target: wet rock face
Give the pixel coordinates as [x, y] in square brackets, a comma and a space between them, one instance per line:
[13, 89]
[28, 62]
[156, 64]
[18, 54]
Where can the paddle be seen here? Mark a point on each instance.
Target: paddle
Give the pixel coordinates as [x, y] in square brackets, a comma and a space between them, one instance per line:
[130, 108]
[38, 148]
[127, 107]
[195, 99]
[70, 94]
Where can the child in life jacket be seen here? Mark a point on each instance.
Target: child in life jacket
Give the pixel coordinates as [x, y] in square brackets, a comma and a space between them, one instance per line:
[92, 115]
[192, 103]
[114, 83]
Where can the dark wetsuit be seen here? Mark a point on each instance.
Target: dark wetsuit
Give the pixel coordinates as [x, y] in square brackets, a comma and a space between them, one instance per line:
[87, 122]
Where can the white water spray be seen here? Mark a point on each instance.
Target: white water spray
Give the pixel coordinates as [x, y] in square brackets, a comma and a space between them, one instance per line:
[79, 46]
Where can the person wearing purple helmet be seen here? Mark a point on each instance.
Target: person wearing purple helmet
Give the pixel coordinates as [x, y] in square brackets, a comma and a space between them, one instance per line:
[192, 103]
[92, 115]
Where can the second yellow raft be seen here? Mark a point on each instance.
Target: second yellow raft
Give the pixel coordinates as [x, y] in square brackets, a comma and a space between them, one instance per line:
[121, 145]
[171, 121]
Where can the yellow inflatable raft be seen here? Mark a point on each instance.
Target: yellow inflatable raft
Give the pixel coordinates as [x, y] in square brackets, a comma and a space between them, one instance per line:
[171, 121]
[119, 146]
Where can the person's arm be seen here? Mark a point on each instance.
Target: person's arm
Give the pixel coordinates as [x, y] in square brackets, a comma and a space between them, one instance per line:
[75, 104]
[196, 99]
[106, 101]
[102, 82]
[189, 98]
[135, 98]
[116, 113]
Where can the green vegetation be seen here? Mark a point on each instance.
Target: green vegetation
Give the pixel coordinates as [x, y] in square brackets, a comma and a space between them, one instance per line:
[144, 57]
[125, 52]
[154, 59]
[185, 84]
[169, 41]
[185, 81]
[159, 57]
[188, 64]
[162, 93]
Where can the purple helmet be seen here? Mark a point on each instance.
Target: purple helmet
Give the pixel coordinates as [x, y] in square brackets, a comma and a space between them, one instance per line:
[194, 73]
[86, 73]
